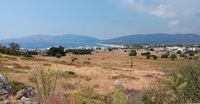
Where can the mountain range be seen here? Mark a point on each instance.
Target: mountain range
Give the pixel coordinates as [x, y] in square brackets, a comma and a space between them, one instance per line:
[158, 38]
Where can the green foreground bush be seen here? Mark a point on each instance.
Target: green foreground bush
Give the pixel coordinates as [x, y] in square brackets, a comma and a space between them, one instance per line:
[182, 85]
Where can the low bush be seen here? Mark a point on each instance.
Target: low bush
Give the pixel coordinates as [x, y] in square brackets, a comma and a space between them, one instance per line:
[165, 55]
[86, 62]
[67, 74]
[28, 55]
[87, 78]
[181, 85]
[182, 55]
[68, 86]
[16, 85]
[155, 57]
[173, 56]
[58, 55]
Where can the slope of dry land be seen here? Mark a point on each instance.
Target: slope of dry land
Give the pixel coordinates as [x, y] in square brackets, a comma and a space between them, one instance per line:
[102, 69]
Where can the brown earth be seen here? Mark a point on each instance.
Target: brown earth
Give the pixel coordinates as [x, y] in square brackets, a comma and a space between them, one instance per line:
[103, 66]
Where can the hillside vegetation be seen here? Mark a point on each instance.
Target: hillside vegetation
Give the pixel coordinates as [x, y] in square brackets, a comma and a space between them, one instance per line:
[105, 77]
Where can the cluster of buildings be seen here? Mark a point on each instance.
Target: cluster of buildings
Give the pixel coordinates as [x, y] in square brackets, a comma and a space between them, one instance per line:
[160, 47]
[175, 48]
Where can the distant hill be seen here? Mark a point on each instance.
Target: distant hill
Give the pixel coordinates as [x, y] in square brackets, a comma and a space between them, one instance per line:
[67, 38]
[155, 39]
[159, 38]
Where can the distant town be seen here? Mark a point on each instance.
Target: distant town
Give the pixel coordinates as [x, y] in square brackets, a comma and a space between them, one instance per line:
[141, 47]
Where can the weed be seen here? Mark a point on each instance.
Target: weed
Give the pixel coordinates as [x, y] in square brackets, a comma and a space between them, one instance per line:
[67, 85]
[180, 86]
[86, 62]
[87, 78]
[45, 80]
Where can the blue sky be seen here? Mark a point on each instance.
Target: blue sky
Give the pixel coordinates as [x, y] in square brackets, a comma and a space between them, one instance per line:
[102, 19]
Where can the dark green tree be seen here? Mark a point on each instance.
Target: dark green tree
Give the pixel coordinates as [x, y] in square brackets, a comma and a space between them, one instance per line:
[155, 57]
[179, 52]
[14, 46]
[58, 55]
[133, 53]
[173, 56]
[166, 55]
[54, 50]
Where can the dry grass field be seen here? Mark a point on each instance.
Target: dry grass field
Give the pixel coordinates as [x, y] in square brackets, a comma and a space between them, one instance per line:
[103, 67]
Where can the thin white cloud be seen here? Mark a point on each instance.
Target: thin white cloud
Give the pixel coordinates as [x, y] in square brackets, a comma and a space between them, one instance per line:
[133, 4]
[131, 19]
[163, 11]
[173, 23]
[186, 30]
[116, 20]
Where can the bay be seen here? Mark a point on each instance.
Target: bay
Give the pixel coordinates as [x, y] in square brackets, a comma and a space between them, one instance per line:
[47, 45]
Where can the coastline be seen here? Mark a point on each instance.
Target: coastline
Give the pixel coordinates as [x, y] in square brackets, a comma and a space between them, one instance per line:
[112, 45]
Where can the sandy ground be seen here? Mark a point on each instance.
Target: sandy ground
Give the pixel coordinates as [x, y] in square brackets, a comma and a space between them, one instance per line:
[103, 66]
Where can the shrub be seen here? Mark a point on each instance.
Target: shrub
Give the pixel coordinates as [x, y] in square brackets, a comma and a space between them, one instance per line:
[180, 86]
[165, 55]
[155, 57]
[88, 96]
[179, 52]
[68, 74]
[182, 55]
[45, 80]
[115, 77]
[87, 78]
[148, 56]
[28, 55]
[67, 86]
[86, 62]
[191, 54]
[58, 55]
[16, 85]
[173, 56]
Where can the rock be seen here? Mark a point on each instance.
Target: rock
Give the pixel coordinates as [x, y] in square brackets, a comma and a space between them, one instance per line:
[2, 79]
[25, 100]
[33, 92]
[21, 93]
[8, 88]
[3, 94]
[58, 98]
[148, 75]
[6, 102]
[133, 94]
[118, 82]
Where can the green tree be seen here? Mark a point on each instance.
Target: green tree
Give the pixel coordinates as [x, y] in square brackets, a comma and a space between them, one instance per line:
[58, 55]
[155, 57]
[14, 46]
[179, 52]
[166, 55]
[133, 53]
[148, 56]
[54, 50]
[173, 56]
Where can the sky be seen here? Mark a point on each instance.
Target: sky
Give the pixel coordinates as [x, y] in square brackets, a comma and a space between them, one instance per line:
[102, 19]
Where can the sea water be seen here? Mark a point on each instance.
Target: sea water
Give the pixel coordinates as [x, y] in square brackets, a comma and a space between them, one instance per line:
[47, 45]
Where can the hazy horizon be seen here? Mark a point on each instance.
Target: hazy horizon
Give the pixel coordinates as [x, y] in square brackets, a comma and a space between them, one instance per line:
[102, 19]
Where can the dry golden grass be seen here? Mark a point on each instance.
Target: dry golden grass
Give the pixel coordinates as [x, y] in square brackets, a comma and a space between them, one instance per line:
[103, 65]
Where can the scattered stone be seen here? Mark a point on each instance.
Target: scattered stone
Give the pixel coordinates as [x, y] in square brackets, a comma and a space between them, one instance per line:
[3, 94]
[118, 82]
[33, 92]
[6, 102]
[21, 93]
[133, 94]
[148, 75]
[25, 100]
[58, 98]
